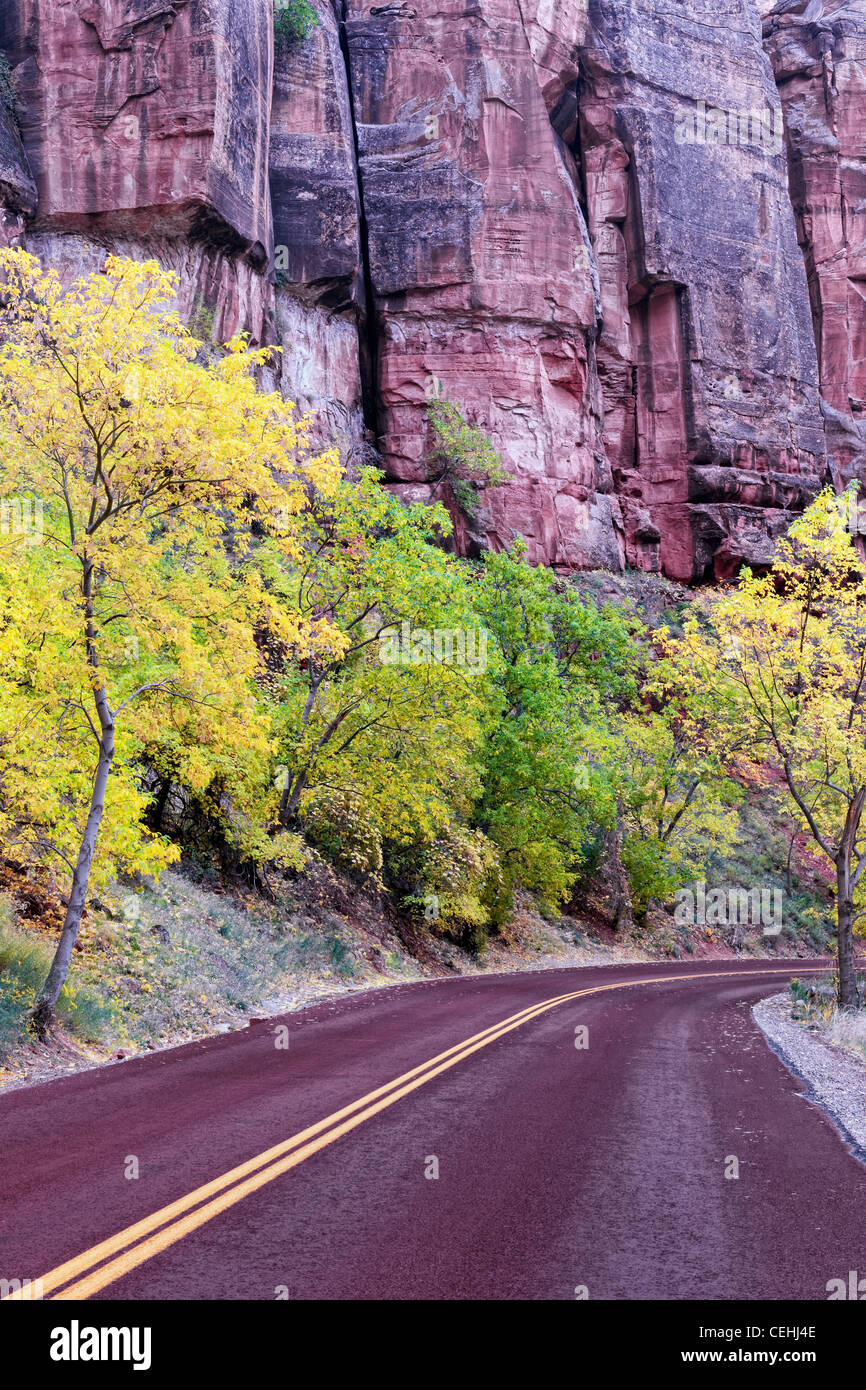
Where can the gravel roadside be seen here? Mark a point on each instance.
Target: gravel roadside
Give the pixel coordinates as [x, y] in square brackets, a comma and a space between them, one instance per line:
[835, 1079]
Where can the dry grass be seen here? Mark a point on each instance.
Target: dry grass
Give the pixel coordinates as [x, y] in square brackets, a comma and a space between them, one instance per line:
[847, 1030]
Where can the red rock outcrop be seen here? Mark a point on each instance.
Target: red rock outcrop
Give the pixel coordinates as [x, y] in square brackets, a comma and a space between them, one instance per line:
[18, 195]
[818, 54]
[573, 220]
[479, 268]
[317, 232]
[482, 136]
[706, 359]
[148, 121]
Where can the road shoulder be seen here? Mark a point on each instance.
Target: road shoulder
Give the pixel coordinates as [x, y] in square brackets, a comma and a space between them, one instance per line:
[835, 1079]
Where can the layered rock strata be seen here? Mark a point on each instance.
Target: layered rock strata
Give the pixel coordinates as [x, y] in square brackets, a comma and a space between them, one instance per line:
[578, 222]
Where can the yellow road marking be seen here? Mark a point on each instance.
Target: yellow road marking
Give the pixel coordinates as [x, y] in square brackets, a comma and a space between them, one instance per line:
[142, 1228]
[146, 1238]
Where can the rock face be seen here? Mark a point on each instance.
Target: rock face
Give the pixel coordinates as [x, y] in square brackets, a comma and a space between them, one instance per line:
[712, 422]
[479, 269]
[17, 187]
[317, 232]
[570, 217]
[148, 121]
[820, 67]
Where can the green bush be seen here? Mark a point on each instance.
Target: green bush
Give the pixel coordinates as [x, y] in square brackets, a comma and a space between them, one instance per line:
[202, 320]
[23, 958]
[11, 1018]
[8, 95]
[294, 20]
[463, 456]
[336, 823]
[644, 862]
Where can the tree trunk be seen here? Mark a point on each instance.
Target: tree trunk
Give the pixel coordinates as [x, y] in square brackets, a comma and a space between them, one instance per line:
[845, 925]
[291, 798]
[845, 902]
[43, 1010]
[789, 883]
[158, 810]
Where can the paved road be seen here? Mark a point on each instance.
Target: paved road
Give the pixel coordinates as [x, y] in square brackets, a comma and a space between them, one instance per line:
[302, 1171]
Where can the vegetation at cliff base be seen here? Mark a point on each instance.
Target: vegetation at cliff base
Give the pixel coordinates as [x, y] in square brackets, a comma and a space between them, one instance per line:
[786, 662]
[8, 94]
[216, 645]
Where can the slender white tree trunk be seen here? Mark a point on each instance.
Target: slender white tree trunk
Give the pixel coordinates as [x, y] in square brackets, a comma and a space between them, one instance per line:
[845, 926]
[43, 1010]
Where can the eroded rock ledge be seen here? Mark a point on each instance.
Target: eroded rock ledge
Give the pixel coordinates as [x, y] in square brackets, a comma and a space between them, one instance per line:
[626, 238]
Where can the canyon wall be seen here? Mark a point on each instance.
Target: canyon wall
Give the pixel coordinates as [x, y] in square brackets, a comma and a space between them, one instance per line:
[146, 126]
[712, 421]
[317, 265]
[626, 239]
[479, 269]
[819, 61]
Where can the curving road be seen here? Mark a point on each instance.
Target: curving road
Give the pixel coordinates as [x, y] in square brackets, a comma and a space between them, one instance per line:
[308, 1171]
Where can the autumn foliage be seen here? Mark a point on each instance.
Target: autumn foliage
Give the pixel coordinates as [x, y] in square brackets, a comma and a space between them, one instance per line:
[196, 604]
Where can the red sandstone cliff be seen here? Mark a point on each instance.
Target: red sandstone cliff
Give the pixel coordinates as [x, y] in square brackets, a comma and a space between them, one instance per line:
[146, 124]
[572, 219]
[818, 54]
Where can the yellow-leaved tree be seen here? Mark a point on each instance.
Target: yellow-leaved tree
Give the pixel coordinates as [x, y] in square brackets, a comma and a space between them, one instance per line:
[668, 765]
[135, 484]
[790, 670]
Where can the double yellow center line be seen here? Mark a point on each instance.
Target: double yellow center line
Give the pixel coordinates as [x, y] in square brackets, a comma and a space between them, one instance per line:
[111, 1259]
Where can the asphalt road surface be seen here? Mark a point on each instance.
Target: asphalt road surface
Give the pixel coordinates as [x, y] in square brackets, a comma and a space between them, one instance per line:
[457, 1139]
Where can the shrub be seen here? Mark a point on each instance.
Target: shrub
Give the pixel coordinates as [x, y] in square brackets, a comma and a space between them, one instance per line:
[294, 20]
[458, 873]
[337, 824]
[464, 456]
[202, 320]
[8, 94]
[847, 1029]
